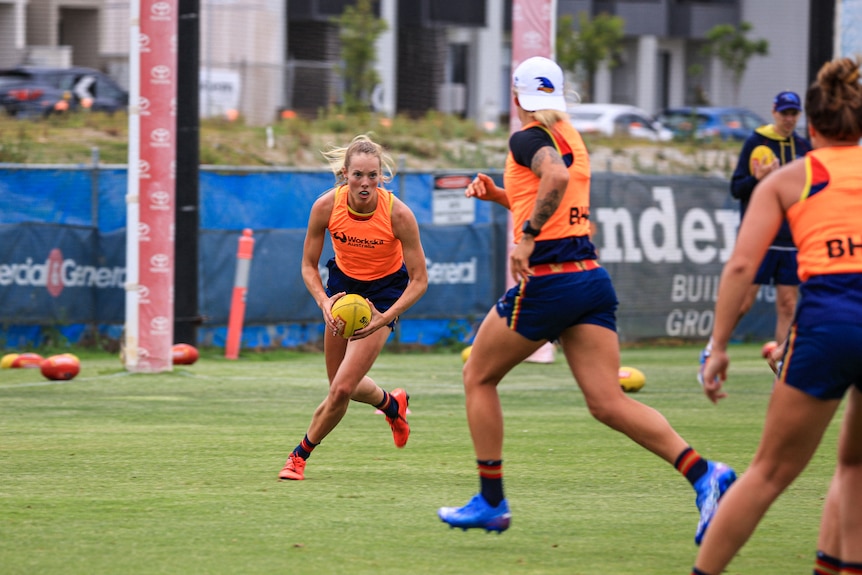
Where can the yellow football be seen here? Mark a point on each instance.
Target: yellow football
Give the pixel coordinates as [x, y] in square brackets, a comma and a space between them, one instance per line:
[763, 155]
[631, 379]
[465, 353]
[7, 360]
[352, 313]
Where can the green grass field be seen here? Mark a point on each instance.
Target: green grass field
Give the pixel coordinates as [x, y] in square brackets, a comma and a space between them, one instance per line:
[177, 473]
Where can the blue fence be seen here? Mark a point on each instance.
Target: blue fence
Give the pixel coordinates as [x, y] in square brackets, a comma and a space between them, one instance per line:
[62, 254]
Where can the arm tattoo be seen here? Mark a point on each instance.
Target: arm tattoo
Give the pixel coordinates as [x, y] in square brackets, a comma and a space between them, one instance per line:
[547, 204]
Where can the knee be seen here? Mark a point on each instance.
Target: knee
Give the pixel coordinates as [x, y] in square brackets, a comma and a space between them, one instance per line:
[773, 476]
[607, 412]
[475, 377]
[339, 394]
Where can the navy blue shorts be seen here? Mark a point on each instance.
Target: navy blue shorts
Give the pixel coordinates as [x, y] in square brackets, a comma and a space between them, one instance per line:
[823, 360]
[545, 306]
[778, 268]
[382, 292]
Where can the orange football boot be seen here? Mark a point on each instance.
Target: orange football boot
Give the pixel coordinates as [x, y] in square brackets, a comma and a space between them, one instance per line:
[294, 468]
[399, 425]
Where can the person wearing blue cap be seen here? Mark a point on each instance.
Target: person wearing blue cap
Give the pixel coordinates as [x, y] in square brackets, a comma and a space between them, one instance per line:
[766, 149]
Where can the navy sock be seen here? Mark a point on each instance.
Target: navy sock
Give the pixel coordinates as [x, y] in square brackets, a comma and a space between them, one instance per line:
[491, 480]
[305, 448]
[389, 405]
[826, 564]
[691, 464]
[851, 568]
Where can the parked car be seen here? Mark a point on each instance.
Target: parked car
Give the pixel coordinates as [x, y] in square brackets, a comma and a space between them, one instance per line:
[617, 119]
[28, 91]
[705, 123]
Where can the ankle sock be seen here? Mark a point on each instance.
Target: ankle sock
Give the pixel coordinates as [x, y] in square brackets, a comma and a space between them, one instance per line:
[305, 448]
[826, 564]
[691, 464]
[491, 480]
[389, 405]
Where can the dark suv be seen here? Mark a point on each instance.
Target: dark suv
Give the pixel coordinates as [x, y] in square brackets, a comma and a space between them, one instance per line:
[28, 91]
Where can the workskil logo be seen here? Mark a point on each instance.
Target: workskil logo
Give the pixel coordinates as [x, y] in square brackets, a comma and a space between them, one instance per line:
[356, 241]
[57, 273]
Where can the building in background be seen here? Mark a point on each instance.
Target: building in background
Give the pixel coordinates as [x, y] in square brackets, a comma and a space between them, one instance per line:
[263, 56]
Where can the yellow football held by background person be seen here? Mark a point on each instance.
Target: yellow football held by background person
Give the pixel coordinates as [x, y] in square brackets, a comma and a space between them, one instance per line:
[763, 155]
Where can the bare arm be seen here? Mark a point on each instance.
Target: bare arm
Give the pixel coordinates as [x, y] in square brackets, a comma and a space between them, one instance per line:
[483, 188]
[311, 250]
[768, 205]
[407, 231]
[553, 180]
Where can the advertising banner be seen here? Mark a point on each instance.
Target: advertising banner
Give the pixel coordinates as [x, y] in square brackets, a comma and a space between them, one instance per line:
[462, 264]
[156, 183]
[50, 271]
[664, 241]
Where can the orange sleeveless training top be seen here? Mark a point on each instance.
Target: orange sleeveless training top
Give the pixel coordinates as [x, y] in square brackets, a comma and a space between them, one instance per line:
[827, 220]
[572, 216]
[365, 247]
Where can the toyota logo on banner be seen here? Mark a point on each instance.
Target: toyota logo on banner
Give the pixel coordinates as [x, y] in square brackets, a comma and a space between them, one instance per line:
[143, 294]
[160, 200]
[160, 324]
[144, 43]
[160, 138]
[160, 11]
[143, 232]
[160, 74]
[160, 263]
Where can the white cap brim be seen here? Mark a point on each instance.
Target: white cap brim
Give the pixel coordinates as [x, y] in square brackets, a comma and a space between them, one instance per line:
[536, 102]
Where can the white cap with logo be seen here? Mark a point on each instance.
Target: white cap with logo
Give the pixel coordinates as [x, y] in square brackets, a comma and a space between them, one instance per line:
[538, 82]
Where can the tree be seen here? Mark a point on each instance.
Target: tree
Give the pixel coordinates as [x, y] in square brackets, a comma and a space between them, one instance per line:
[597, 40]
[359, 30]
[733, 49]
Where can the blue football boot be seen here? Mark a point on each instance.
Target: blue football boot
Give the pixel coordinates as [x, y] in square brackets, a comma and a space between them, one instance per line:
[478, 513]
[710, 488]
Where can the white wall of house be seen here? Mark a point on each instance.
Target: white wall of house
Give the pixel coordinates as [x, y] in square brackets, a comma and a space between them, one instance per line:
[646, 71]
[678, 69]
[13, 23]
[786, 66]
[490, 74]
[385, 97]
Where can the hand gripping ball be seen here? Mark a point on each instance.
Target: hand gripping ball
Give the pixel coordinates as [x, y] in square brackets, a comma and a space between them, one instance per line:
[763, 155]
[352, 313]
